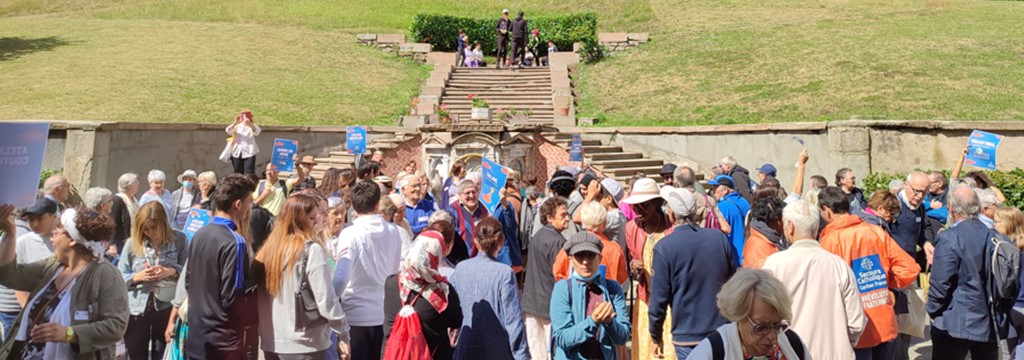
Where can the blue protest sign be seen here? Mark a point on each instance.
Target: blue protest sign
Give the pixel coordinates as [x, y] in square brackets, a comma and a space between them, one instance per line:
[494, 180]
[283, 156]
[197, 218]
[355, 139]
[576, 149]
[21, 160]
[981, 149]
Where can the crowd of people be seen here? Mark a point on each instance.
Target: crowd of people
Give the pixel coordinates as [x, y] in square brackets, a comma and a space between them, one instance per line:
[363, 265]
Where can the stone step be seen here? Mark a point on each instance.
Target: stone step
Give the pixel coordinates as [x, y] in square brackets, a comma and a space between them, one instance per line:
[603, 149]
[624, 179]
[537, 85]
[496, 92]
[499, 102]
[342, 154]
[334, 160]
[536, 112]
[567, 142]
[630, 163]
[536, 69]
[500, 78]
[614, 156]
[629, 171]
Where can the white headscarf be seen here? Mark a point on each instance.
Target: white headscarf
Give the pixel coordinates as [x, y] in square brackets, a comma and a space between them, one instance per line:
[68, 221]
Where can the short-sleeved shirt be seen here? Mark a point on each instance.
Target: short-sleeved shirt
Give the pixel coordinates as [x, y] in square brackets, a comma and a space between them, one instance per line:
[275, 201]
[33, 247]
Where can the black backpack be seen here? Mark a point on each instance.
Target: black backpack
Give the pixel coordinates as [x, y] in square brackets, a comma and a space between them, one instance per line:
[718, 346]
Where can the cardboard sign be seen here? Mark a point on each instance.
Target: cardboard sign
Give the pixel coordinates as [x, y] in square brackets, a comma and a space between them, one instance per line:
[981, 149]
[283, 156]
[576, 149]
[197, 218]
[355, 139]
[22, 147]
[494, 180]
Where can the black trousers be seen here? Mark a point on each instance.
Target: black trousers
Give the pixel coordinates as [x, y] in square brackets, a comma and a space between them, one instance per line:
[144, 338]
[367, 342]
[244, 165]
[319, 355]
[946, 347]
[518, 51]
[502, 50]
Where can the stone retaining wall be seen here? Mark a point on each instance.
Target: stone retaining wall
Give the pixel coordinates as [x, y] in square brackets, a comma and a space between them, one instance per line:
[396, 44]
[95, 154]
[617, 42]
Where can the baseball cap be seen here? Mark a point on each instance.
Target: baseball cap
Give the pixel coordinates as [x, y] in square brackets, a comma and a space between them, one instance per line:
[768, 169]
[42, 206]
[583, 241]
[681, 201]
[668, 168]
[724, 180]
[613, 187]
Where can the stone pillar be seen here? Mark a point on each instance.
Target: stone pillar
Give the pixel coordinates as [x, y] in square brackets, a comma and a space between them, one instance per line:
[86, 155]
[850, 146]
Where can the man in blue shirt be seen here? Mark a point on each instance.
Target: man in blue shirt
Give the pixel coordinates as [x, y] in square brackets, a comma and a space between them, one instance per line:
[417, 209]
[734, 208]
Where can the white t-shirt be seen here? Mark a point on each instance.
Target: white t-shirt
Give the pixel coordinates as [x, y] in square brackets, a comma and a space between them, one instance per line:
[33, 247]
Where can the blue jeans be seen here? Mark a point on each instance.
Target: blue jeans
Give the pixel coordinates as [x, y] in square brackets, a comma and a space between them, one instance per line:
[883, 351]
[332, 352]
[8, 320]
[682, 352]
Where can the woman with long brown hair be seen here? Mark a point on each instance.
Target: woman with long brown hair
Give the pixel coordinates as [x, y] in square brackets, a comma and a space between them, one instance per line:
[1009, 221]
[294, 275]
[151, 262]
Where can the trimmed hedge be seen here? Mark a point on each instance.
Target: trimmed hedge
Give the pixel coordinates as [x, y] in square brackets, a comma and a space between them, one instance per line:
[442, 31]
[1011, 183]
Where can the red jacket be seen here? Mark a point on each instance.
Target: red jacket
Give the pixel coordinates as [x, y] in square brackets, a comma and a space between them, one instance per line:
[878, 264]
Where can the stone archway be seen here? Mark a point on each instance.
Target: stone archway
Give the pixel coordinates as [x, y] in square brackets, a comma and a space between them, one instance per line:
[473, 161]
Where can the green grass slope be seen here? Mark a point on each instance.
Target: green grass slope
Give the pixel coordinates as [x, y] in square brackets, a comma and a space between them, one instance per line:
[722, 61]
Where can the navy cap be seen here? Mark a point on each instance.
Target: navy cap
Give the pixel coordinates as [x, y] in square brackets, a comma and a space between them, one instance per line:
[768, 169]
[668, 168]
[724, 180]
[42, 206]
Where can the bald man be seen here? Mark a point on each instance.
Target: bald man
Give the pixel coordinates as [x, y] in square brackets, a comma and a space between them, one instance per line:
[910, 229]
[417, 209]
[57, 189]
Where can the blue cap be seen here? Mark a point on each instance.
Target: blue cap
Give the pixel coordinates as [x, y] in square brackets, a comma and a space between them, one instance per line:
[768, 169]
[724, 180]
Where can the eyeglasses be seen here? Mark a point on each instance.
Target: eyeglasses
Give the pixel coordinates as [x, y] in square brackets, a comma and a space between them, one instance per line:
[765, 329]
[916, 191]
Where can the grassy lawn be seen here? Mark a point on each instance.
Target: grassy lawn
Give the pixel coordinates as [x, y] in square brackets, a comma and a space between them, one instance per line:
[722, 61]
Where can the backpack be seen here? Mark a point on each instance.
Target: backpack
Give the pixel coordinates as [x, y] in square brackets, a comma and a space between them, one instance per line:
[711, 215]
[263, 184]
[406, 341]
[1005, 269]
[718, 346]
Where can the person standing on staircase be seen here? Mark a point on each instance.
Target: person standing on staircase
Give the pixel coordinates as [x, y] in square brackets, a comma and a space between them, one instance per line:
[460, 57]
[519, 31]
[503, 27]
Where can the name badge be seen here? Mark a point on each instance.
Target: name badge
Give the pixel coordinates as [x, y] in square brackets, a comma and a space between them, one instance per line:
[918, 219]
[82, 315]
[424, 219]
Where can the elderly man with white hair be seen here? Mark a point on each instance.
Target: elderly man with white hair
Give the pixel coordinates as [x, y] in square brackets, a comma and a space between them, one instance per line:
[739, 175]
[688, 268]
[827, 310]
[157, 192]
[417, 208]
[57, 189]
[989, 203]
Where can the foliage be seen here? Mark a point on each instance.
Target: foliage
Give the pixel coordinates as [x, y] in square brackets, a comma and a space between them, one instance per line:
[443, 114]
[478, 102]
[442, 31]
[1011, 183]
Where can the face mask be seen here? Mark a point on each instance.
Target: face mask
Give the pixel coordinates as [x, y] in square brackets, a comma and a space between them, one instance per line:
[577, 276]
[187, 184]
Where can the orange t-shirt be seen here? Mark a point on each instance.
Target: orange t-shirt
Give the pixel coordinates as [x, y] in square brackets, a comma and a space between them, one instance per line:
[878, 264]
[612, 258]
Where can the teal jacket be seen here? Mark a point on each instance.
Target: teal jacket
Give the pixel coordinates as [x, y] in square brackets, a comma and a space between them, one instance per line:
[571, 326]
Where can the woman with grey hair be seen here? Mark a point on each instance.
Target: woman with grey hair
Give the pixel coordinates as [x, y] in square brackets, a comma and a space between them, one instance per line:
[99, 199]
[157, 192]
[123, 210]
[759, 308]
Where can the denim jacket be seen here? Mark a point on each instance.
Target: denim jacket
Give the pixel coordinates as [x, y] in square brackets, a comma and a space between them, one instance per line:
[171, 254]
[571, 327]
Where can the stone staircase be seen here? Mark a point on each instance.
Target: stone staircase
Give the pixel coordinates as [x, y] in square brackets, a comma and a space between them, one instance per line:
[612, 160]
[342, 159]
[509, 89]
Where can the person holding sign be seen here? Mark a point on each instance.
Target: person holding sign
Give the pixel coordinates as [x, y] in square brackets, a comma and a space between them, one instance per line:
[468, 210]
[242, 146]
[272, 192]
[878, 264]
[151, 262]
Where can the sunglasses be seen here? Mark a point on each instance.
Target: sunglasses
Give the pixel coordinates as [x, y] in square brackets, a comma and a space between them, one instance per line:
[765, 329]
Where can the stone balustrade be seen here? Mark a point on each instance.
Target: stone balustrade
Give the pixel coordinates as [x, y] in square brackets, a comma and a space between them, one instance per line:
[396, 44]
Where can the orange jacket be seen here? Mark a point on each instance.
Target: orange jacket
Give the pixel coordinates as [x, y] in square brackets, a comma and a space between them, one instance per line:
[756, 249]
[612, 258]
[878, 264]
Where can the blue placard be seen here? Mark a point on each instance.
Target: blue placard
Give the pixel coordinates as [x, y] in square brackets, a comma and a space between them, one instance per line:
[494, 180]
[21, 160]
[283, 156]
[576, 149]
[355, 139]
[981, 149]
[197, 218]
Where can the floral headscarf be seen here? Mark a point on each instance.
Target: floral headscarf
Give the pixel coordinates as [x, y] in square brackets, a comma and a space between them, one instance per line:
[419, 270]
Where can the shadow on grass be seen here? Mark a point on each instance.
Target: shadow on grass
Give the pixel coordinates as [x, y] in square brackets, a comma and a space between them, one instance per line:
[14, 47]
